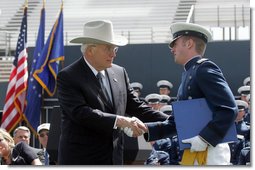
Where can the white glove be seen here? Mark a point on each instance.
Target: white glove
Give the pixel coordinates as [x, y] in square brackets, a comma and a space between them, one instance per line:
[197, 144]
[128, 131]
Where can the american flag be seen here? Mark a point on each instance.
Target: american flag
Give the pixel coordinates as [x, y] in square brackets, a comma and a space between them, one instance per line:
[16, 92]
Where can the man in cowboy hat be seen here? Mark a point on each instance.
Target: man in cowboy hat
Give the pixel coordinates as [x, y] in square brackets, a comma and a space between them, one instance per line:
[201, 79]
[94, 95]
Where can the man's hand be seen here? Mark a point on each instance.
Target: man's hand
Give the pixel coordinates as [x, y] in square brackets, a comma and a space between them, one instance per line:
[197, 144]
[133, 127]
[140, 124]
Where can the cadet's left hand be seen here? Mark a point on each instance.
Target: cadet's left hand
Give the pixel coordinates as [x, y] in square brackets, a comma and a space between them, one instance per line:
[197, 144]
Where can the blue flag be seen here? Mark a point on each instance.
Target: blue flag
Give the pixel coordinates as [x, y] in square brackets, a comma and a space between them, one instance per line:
[53, 52]
[34, 92]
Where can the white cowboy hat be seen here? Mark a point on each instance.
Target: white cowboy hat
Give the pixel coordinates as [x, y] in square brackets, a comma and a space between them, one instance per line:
[100, 32]
[189, 29]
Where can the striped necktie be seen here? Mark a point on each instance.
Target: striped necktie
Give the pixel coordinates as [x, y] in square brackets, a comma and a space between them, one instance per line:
[100, 79]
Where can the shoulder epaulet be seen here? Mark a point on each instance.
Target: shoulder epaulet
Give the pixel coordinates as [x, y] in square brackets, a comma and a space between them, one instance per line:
[201, 60]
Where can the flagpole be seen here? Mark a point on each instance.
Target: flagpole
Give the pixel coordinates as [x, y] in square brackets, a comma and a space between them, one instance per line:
[62, 61]
[22, 122]
[42, 101]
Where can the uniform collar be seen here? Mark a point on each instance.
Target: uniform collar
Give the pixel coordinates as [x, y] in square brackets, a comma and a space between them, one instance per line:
[191, 62]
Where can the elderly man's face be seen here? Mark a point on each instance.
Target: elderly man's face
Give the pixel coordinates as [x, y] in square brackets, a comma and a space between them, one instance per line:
[103, 55]
[21, 135]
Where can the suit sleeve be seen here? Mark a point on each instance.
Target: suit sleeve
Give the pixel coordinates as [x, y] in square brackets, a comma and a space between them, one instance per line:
[160, 130]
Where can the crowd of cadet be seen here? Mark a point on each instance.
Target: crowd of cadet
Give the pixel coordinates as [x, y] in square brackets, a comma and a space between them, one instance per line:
[167, 152]
[16, 149]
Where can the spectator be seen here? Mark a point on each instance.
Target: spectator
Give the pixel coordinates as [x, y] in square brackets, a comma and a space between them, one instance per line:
[19, 154]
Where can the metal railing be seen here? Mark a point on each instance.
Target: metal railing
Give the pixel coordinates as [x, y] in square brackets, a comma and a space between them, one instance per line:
[5, 43]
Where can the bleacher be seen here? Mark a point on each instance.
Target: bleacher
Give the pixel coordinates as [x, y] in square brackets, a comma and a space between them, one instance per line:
[142, 21]
[231, 13]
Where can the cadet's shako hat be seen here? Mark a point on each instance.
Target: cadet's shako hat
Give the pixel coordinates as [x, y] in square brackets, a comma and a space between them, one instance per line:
[244, 90]
[45, 126]
[153, 98]
[136, 86]
[165, 98]
[100, 32]
[189, 29]
[164, 84]
[247, 81]
[167, 109]
[241, 104]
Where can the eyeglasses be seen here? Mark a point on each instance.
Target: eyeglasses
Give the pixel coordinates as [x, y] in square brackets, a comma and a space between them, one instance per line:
[44, 134]
[111, 49]
[108, 48]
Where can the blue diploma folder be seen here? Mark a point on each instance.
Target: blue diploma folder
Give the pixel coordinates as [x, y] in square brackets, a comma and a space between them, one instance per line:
[191, 116]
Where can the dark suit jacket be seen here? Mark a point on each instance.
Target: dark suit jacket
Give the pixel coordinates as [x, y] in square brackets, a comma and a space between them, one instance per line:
[87, 134]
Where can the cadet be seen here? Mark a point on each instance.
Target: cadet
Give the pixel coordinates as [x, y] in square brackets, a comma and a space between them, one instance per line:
[201, 78]
[164, 87]
[158, 158]
[138, 89]
[241, 127]
[43, 134]
[244, 91]
[248, 110]
[165, 100]
[247, 81]
[167, 109]
[153, 100]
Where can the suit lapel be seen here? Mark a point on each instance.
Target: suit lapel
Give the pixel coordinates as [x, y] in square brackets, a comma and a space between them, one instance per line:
[96, 84]
[114, 86]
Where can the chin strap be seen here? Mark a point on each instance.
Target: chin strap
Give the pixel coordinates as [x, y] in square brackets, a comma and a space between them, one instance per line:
[189, 158]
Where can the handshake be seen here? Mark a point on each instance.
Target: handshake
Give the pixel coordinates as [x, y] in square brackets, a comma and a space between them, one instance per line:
[132, 127]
